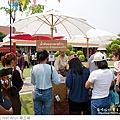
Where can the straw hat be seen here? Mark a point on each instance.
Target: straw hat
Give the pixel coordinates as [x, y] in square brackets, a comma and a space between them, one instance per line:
[102, 47]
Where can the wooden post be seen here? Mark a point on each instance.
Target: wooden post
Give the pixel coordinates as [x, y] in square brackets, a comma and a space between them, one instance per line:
[87, 48]
[14, 47]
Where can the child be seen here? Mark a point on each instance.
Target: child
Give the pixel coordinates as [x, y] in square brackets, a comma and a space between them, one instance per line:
[116, 55]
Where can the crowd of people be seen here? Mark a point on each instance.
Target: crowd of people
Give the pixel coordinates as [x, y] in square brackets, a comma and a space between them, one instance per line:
[89, 86]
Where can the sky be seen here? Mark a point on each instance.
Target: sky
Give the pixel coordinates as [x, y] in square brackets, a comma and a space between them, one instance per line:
[102, 14]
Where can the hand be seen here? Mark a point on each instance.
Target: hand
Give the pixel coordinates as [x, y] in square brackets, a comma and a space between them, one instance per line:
[118, 83]
[115, 72]
[118, 79]
[22, 68]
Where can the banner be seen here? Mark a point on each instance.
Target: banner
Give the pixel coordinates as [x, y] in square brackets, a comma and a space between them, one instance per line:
[23, 2]
[52, 45]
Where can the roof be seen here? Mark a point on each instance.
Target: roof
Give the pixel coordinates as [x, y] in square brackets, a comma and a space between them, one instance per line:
[4, 49]
[5, 29]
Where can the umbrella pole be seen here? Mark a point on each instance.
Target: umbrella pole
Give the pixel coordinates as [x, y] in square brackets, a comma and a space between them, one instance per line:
[10, 28]
[87, 48]
[52, 27]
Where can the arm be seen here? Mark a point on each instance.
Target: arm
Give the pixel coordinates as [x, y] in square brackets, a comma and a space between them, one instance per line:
[55, 77]
[90, 80]
[87, 65]
[88, 84]
[117, 83]
[69, 80]
[32, 77]
[56, 64]
[23, 63]
[5, 112]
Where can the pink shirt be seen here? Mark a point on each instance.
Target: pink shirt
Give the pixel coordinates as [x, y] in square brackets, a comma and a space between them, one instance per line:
[117, 66]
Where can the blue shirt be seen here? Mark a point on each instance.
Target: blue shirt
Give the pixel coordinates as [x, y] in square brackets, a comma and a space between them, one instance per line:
[92, 66]
[76, 83]
[41, 76]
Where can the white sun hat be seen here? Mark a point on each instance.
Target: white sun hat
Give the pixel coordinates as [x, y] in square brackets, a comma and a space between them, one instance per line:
[99, 57]
[102, 47]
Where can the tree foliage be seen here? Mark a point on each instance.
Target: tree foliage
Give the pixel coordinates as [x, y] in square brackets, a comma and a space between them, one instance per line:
[113, 45]
[38, 9]
[82, 57]
[79, 52]
[2, 35]
[69, 46]
[28, 9]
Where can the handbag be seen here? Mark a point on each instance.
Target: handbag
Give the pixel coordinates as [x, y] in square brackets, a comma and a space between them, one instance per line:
[14, 88]
[6, 104]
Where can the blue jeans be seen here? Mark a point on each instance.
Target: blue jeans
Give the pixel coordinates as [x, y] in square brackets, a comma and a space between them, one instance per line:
[42, 101]
[100, 106]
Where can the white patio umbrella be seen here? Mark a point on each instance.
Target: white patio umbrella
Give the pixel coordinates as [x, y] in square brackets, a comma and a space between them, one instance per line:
[94, 36]
[54, 23]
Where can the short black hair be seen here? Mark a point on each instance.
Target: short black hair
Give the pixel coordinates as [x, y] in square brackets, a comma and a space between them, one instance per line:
[42, 55]
[19, 51]
[101, 64]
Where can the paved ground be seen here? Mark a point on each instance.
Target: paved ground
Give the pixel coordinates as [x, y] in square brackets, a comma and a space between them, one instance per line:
[27, 87]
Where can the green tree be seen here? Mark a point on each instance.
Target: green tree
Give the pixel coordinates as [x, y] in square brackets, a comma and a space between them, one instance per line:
[113, 45]
[2, 35]
[28, 9]
[69, 46]
[57, 53]
[38, 9]
[82, 57]
[67, 52]
[72, 52]
[79, 52]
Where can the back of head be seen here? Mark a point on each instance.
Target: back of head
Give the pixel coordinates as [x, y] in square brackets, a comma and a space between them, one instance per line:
[19, 51]
[6, 60]
[75, 64]
[99, 57]
[42, 55]
[100, 60]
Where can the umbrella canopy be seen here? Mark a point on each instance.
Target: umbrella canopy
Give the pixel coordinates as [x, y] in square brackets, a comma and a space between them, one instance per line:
[34, 37]
[54, 23]
[94, 36]
[28, 37]
[22, 37]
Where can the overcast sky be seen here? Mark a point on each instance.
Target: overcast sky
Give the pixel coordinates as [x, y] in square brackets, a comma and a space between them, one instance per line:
[102, 14]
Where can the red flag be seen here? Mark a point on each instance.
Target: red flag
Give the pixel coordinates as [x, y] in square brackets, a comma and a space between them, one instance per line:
[59, 1]
[34, 1]
[12, 1]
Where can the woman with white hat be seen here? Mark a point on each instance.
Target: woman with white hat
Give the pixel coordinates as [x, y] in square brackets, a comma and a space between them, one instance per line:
[101, 80]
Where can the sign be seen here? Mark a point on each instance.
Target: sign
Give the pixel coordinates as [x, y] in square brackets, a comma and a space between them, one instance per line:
[51, 45]
[51, 57]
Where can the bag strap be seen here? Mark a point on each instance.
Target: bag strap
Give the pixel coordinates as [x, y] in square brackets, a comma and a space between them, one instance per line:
[12, 77]
[51, 72]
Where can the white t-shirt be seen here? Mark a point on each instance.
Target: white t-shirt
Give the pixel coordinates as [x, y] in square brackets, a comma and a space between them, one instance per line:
[101, 80]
